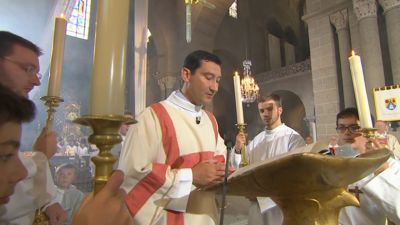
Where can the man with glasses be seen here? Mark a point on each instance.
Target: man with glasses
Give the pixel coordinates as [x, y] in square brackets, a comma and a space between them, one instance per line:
[378, 193]
[19, 72]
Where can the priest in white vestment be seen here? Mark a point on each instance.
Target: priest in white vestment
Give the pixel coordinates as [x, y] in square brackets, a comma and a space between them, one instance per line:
[174, 148]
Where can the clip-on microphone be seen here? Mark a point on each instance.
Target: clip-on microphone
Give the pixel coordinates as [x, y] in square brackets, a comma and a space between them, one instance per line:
[229, 145]
[198, 119]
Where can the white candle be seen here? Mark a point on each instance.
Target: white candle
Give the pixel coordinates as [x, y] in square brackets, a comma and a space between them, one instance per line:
[108, 77]
[57, 56]
[238, 98]
[360, 91]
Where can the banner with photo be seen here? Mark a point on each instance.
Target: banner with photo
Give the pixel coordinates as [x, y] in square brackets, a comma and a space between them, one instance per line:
[387, 103]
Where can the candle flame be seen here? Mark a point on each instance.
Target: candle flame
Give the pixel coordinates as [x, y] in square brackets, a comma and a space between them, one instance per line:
[353, 53]
[236, 73]
[62, 15]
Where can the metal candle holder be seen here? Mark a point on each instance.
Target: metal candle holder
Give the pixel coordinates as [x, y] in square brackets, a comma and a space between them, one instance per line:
[369, 133]
[105, 135]
[52, 102]
[242, 129]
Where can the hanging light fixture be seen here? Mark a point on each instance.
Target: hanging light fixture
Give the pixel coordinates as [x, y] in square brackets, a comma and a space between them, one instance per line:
[248, 86]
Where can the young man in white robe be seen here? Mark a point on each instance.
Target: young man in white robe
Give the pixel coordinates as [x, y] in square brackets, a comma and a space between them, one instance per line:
[378, 193]
[19, 72]
[174, 148]
[276, 139]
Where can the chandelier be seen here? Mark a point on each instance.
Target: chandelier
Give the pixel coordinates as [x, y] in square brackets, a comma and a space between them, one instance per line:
[248, 86]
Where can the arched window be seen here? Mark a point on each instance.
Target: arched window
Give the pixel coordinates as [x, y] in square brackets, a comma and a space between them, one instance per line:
[233, 10]
[78, 24]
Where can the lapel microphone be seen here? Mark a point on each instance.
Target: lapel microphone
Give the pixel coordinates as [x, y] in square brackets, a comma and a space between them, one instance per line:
[198, 118]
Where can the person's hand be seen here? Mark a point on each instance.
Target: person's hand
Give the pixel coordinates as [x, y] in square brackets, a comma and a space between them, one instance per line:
[373, 144]
[360, 144]
[56, 214]
[240, 142]
[46, 143]
[208, 172]
[106, 207]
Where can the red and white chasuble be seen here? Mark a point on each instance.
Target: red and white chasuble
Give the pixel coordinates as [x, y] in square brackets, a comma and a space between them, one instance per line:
[156, 158]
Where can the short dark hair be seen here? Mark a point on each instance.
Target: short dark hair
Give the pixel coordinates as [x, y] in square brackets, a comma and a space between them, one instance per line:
[347, 113]
[193, 60]
[14, 107]
[8, 40]
[276, 98]
[66, 166]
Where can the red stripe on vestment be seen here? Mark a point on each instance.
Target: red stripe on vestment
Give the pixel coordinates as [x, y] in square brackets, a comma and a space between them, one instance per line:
[170, 143]
[214, 124]
[147, 186]
[175, 218]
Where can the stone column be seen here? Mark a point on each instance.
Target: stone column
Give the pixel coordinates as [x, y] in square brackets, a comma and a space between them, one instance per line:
[140, 55]
[340, 21]
[392, 16]
[167, 85]
[371, 53]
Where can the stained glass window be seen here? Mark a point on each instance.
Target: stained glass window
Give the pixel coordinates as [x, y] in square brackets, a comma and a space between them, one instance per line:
[78, 24]
[233, 10]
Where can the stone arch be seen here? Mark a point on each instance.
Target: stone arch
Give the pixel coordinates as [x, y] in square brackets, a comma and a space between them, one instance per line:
[274, 28]
[294, 111]
[290, 36]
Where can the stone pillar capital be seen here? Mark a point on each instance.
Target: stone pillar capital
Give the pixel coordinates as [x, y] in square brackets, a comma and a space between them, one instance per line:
[339, 19]
[389, 4]
[364, 8]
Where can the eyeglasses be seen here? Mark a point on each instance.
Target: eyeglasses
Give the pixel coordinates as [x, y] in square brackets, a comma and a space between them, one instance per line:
[352, 128]
[29, 69]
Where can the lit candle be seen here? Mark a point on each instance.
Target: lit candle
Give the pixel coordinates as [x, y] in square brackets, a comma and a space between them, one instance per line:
[238, 98]
[360, 91]
[57, 56]
[108, 78]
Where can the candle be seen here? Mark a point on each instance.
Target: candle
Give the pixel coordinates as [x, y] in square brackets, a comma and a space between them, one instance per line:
[238, 98]
[360, 91]
[108, 78]
[57, 56]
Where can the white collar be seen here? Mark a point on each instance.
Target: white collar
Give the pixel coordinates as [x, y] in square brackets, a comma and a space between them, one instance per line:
[281, 126]
[180, 101]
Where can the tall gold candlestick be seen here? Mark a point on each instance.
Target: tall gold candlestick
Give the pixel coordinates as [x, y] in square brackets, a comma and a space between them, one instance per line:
[244, 161]
[105, 136]
[108, 79]
[239, 116]
[52, 102]
[57, 56]
[360, 91]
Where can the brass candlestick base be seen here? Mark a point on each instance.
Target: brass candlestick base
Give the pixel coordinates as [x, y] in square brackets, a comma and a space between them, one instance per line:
[52, 102]
[244, 162]
[105, 136]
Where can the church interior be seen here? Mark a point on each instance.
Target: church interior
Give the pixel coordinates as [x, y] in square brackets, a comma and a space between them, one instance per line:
[298, 49]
